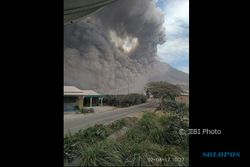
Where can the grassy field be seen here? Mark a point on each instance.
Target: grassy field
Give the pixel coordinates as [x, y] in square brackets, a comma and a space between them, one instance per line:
[152, 140]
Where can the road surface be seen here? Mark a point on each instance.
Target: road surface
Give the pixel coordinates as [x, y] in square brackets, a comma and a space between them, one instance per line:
[82, 121]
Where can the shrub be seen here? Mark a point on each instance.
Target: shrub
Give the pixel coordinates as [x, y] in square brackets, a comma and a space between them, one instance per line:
[148, 121]
[147, 129]
[163, 120]
[82, 137]
[95, 133]
[131, 122]
[90, 135]
[173, 106]
[171, 131]
[152, 136]
[70, 147]
[124, 100]
[117, 125]
[183, 109]
[174, 152]
[154, 130]
[135, 135]
[138, 154]
[170, 105]
[105, 153]
[156, 135]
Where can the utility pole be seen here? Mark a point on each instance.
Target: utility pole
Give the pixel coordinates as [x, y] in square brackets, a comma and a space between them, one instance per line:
[128, 82]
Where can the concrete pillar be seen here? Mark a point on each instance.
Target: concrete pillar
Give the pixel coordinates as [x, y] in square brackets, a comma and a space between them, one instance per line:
[90, 103]
[101, 101]
[80, 102]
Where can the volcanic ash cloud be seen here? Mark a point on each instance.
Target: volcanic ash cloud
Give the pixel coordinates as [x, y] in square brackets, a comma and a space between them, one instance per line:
[115, 46]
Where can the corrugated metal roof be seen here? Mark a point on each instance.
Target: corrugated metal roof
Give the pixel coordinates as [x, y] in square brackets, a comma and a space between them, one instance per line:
[74, 91]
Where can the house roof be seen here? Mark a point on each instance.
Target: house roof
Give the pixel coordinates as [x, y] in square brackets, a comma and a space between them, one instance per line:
[74, 91]
[71, 89]
[90, 93]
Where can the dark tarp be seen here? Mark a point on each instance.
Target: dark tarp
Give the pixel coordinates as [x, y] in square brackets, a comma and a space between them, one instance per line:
[78, 9]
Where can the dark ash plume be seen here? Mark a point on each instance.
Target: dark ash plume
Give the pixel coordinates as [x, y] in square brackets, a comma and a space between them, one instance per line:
[113, 47]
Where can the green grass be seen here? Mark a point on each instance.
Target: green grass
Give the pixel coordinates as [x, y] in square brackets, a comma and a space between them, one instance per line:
[152, 136]
[104, 153]
[117, 125]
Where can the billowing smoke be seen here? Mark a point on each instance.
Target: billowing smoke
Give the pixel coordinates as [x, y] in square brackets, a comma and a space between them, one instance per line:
[114, 47]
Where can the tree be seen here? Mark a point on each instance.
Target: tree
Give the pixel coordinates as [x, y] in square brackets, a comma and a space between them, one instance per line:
[163, 90]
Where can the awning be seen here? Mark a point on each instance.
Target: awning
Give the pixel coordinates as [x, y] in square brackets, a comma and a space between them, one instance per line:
[75, 10]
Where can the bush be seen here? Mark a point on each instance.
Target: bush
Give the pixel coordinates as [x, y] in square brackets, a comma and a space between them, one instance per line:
[135, 135]
[105, 153]
[124, 100]
[70, 147]
[152, 136]
[148, 121]
[174, 152]
[163, 120]
[156, 135]
[138, 154]
[148, 128]
[173, 106]
[170, 105]
[171, 131]
[117, 125]
[183, 109]
[93, 134]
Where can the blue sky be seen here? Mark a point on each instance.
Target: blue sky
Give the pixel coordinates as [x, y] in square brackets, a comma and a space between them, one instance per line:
[175, 51]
